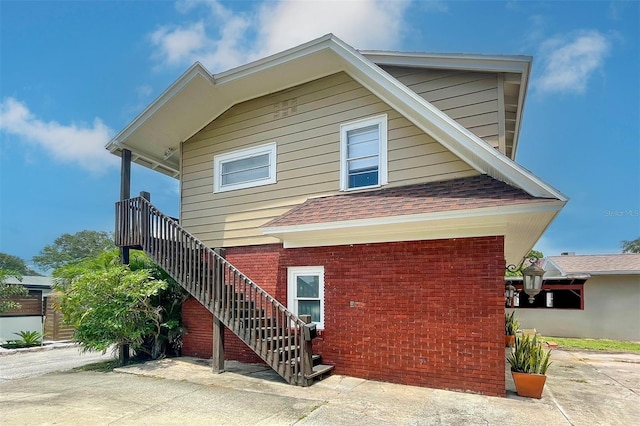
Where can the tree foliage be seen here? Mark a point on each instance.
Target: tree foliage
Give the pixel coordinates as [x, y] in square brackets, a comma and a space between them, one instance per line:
[67, 249]
[10, 291]
[631, 246]
[526, 262]
[9, 262]
[107, 303]
[111, 306]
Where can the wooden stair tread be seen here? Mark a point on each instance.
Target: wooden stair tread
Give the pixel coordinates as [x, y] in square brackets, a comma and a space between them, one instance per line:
[319, 370]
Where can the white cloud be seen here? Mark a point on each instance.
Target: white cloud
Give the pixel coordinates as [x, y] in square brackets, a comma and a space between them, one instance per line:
[226, 38]
[80, 144]
[362, 24]
[179, 44]
[569, 61]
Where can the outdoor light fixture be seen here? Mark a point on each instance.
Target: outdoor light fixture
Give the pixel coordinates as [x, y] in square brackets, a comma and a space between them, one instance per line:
[168, 153]
[531, 277]
[532, 280]
[509, 292]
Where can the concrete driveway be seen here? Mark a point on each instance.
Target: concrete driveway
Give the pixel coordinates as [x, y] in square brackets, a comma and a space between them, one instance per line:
[582, 389]
[15, 364]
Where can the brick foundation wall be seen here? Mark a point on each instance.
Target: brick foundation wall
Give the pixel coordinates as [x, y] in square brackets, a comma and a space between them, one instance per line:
[426, 313]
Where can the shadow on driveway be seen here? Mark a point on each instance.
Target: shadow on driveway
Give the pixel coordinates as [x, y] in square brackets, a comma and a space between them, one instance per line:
[583, 388]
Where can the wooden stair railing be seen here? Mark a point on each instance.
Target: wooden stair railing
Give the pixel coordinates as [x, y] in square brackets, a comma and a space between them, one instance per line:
[273, 332]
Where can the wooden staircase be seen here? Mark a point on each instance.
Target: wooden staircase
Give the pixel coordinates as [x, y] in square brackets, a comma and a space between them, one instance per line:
[278, 336]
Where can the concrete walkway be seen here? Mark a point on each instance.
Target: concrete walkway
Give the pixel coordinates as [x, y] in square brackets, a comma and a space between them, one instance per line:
[582, 389]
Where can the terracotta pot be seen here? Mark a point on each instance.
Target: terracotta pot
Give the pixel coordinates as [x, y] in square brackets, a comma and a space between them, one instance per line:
[509, 340]
[529, 385]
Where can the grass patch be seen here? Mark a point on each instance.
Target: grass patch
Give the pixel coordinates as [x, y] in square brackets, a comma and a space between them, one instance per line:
[595, 344]
[100, 367]
[579, 380]
[108, 366]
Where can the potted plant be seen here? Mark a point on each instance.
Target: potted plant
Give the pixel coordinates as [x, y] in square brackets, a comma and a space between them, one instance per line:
[529, 363]
[511, 326]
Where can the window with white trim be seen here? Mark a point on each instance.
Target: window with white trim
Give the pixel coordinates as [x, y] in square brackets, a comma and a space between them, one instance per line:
[305, 292]
[245, 168]
[363, 153]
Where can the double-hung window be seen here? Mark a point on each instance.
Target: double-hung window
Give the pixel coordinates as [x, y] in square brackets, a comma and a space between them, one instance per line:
[245, 168]
[305, 292]
[363, 151]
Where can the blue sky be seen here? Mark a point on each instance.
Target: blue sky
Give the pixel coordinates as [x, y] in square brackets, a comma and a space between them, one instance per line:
[73, 74]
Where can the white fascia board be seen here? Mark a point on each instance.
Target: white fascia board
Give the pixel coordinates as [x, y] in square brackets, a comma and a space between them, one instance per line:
[522, 97]
[460, 141]
[457, 61]
[614, 272]
[280, 58]
[194, 71]
[414, 218]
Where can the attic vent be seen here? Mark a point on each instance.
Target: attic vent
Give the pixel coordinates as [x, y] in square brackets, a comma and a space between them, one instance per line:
[568, 253]
[285, 108]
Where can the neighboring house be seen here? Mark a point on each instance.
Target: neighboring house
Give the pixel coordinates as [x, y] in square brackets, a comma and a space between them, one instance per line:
[593, 296]
[30, 315]
[375, 192]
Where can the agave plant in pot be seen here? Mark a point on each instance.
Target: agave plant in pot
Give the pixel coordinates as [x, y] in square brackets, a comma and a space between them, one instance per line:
[529, 363]
[511, 326]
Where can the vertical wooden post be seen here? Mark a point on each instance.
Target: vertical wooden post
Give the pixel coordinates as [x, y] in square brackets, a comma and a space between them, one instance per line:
[218, 326]
[145, 222]
[218, 346]
[306, 357]
[125, 193]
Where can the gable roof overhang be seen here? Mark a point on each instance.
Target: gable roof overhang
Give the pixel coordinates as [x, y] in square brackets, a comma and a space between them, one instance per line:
[197, 98]
[513, 69]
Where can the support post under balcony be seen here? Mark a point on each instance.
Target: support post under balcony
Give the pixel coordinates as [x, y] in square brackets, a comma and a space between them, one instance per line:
[125, 193]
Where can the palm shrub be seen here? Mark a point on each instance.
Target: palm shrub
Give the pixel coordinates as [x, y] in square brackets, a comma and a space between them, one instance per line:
[29, 338]
[511, 324]
[528, 356]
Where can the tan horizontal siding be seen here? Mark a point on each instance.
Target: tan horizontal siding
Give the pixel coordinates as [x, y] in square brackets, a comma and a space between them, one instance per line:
[308, 156]
[470, 98]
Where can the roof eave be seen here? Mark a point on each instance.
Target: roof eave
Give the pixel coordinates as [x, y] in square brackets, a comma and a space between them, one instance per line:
[457, 61]
[480, 155]
[445, 130]
[521, 224]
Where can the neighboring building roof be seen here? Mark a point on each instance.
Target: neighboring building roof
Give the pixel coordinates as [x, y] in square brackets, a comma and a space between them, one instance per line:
[594, 264]
[33, 281]
[457, 194]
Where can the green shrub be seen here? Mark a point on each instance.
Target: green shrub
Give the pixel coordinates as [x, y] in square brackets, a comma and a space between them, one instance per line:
[511, 324]
[528, 356]
[29, 338]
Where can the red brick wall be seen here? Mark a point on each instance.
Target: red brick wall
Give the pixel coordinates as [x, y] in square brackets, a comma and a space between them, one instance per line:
[427, 313]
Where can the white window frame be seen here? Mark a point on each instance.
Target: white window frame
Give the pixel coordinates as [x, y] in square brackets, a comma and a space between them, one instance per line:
[292, 273]
[241, 154]
[381, 122]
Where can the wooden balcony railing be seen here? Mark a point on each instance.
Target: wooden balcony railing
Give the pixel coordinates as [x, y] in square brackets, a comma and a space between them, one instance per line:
[277, 335]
